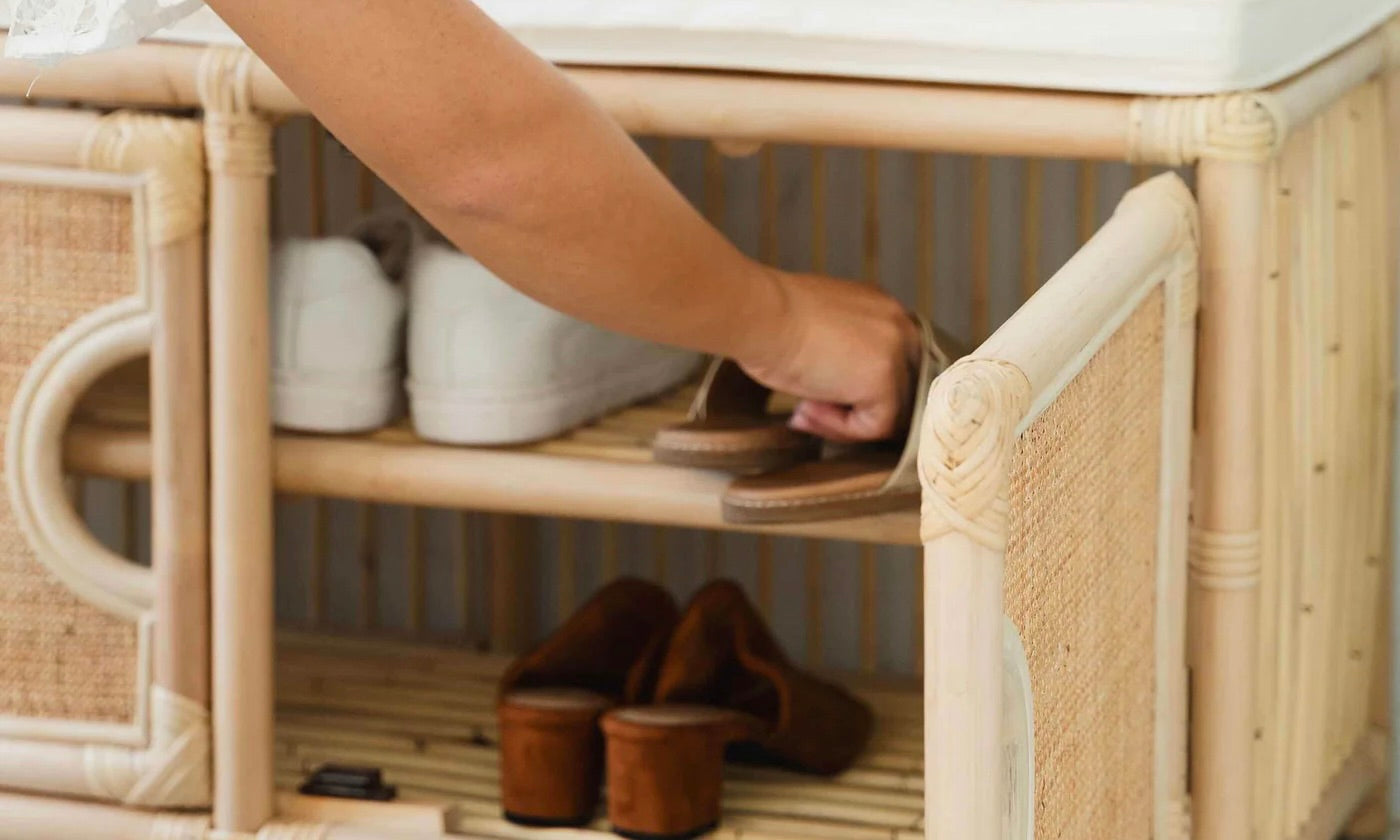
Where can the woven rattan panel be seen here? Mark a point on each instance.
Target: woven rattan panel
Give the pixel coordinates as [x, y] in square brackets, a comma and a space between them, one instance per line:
[63, 253]
[1081, 565]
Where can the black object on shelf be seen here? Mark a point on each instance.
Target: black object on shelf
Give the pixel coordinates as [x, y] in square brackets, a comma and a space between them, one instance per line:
[348, 783]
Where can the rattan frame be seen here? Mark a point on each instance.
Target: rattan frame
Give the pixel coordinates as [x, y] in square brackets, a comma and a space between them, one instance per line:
[162, 758]
[977, 412]
[1230, 139]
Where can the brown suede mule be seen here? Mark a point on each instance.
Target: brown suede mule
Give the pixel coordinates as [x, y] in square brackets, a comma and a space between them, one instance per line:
[724, 682]
[551, 698]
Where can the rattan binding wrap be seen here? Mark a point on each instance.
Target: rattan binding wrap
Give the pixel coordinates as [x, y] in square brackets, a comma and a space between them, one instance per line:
[63, 254]
[1081, 573]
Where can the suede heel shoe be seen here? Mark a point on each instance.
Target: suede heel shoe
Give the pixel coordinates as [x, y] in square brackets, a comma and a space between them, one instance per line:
[722, 657]
[665, 768]
[552, 697]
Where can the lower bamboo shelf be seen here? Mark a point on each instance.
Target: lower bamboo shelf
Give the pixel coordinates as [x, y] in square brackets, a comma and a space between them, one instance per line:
[600, 471]
[424, 714]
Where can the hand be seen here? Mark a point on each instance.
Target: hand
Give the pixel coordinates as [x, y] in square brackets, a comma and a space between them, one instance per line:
[845, 350]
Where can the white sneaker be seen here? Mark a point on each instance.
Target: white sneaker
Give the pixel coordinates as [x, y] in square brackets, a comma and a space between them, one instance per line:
[337, 328]
[488, 365]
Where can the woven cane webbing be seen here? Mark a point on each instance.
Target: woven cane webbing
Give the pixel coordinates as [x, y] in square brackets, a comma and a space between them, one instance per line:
[63, 253]
[1081, 564]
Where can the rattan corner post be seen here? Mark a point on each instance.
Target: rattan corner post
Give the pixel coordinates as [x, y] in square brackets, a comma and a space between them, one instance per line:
[1024, 399]
[1225, 534]
[239, 148]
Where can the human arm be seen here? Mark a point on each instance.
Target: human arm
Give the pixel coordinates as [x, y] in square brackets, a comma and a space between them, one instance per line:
[519, 168]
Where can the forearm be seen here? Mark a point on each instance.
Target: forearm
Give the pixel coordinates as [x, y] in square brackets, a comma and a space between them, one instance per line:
[514, 164]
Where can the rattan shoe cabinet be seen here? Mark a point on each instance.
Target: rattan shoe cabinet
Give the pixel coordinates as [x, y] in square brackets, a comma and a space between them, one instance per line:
[1157, 492]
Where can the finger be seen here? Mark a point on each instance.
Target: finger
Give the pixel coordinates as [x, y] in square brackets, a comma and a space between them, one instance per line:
[872, 421]
[823, 419]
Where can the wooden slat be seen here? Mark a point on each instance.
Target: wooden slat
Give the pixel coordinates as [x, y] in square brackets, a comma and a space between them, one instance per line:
[1031, 232]
[568, 569]
[612, 561]
[556, 478]
[980, 244]
[344, 701]
[925, 297]
[768, 252]
[415, 565]
[365, 180]
[316, 177]
[462, 571]
[316, 564]
[367, 550]
[130, 519]
[1088, 200]
[869, 569]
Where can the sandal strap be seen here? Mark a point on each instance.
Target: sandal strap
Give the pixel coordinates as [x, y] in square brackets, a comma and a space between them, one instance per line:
[937, 352]
[727, 391]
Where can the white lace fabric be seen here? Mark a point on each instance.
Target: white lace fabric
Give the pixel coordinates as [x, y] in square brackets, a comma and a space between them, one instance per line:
[47, 31]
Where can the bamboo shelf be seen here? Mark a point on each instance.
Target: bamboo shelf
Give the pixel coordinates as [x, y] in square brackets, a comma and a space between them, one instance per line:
[425, 715]
[600, 471]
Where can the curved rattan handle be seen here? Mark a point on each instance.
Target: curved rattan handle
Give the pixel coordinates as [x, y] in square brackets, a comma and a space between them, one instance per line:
[62, 371]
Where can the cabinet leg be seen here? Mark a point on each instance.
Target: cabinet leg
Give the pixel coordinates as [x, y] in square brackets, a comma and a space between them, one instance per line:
[1225, 556]
[239, 150]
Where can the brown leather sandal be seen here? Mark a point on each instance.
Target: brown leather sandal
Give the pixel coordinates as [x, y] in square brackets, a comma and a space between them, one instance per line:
[867, 479]
[723, 682]
[730, 428]
[551, 699]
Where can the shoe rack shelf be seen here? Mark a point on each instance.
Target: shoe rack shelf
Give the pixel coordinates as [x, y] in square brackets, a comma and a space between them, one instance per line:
[601, 471]
[426, 715]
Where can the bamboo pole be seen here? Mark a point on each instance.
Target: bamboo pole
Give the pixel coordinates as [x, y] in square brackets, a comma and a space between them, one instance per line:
[568, 569]
[980, 245]
[1225, 551]
[660, 555]
[869, 562]
[367, 555]
[48, 818]
[512, 549]
[180, 472]
[129, 520]
[481, 479]
[963, 688]
[316, 564]
[365, 188]
[316, 177]
[1033, 177]
[416, 562]
[926, 300]
[768, 252]
[1088, 200]
[239, 152]
[713, 554]
[316, 227]
[814, 560]
[461, 571]
[813, 576]
[612, 560]
[926, 296]
[746, 108]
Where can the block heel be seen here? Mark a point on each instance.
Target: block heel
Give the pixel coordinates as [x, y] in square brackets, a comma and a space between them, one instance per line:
[665, 768]
[551, 756]
[551, 698]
